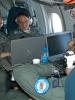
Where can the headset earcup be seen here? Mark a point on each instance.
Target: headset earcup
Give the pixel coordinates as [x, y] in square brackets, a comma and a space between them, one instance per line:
[30, 21]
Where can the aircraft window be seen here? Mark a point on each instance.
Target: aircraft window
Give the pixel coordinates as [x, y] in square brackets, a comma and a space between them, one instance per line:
[55, 23]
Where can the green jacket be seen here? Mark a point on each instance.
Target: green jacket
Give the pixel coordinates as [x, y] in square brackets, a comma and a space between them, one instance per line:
[4, 43]
[17, 34]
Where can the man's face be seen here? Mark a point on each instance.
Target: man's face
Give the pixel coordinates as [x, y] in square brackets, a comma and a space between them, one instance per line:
[1, 22]
[23, 22]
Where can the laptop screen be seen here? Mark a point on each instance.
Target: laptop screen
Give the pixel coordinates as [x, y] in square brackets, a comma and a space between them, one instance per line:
[58, 44]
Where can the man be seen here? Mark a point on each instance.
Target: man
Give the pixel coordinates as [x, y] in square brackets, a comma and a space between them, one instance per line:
[4, 52]
[4, 41]
[5, 91]
[70, 71]
[2, 25]
[1, 22]
[70, 57]
[23, 26]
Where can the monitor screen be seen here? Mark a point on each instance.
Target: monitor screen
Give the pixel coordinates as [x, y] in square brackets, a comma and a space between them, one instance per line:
[58, 44]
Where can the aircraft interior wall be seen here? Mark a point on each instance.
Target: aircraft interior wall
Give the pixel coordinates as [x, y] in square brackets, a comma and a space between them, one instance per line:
[67, 20]
[39, 17]
[5, 5]
[54, 9]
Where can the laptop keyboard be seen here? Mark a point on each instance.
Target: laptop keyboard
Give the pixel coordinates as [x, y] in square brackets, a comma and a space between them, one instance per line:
[60, 66]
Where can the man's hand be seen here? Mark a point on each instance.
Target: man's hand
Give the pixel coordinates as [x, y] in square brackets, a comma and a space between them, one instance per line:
[5, 54]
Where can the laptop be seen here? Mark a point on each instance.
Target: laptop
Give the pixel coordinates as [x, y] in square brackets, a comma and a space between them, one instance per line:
[58, 45]
[26, 49]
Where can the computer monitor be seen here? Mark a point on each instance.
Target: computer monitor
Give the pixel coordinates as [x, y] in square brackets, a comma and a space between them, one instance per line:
[26, 49]
[58, 44]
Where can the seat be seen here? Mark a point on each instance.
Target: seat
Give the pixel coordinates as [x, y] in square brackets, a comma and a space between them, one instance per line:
[13, 12]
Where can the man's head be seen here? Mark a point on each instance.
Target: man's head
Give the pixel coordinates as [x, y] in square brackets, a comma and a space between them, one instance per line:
[1, 22]
[71, 45]
[22, 21]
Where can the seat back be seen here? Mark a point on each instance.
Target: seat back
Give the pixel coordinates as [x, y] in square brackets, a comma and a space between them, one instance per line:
[13, 12]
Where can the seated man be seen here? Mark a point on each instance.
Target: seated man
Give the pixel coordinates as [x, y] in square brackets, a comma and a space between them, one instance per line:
[23, 26]
[4, 41]
[70, 57]
[5, 90]
[1, 23]
[2, 28]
